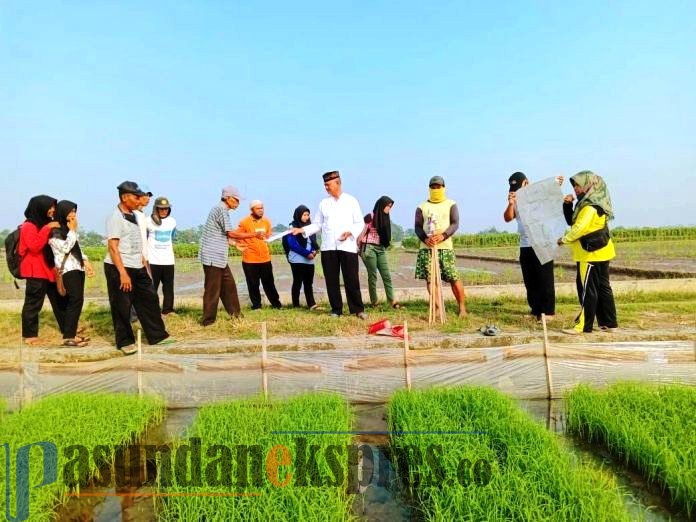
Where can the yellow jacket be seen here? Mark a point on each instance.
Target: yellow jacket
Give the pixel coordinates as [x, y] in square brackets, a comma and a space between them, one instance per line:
[588, 220]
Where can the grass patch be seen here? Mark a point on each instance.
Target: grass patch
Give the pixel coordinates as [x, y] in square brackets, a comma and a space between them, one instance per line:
[635, 310]
[505, 467]
[651, 427]
[85, 419]
[250, 423]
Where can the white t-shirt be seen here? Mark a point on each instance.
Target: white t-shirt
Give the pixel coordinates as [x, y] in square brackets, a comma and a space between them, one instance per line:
[160, 248]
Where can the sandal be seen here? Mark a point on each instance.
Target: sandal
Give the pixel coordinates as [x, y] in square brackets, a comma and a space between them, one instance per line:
[396, 305]
[74, 343]
[81, 339]
[32, 341]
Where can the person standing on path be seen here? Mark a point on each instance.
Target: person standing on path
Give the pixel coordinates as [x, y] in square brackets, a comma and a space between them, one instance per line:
[73, 263]
[36, 266]
[593, 249]
[127, 279]
[256, 256]
[161, 230]
[538, 279]
[437, 219]
[373, 244]
[213, 253]
[340, 221]
[301, 253]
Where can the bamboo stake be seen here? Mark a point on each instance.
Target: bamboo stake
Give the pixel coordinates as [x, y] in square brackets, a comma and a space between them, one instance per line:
[140, 360]
[21, 374]
[549, 382]
[264, 358]
[436, 304]
[406, 350]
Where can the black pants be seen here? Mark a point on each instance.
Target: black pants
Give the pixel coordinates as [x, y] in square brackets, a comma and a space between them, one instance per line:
[302, 276]
[538, 280]
[164, 274]
[596, 296]
[256, 273]
[218, 285]
[34, 294]
[71, 303]
[334, 262]
[142, 297]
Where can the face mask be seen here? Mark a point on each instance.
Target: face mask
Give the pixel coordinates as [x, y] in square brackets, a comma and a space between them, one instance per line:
[437, 195]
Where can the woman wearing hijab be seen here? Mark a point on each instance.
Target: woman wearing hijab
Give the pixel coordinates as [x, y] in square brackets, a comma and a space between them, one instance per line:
[592, 250]
[374, 242]
[69, 258]
[36, 265]
[301, 252]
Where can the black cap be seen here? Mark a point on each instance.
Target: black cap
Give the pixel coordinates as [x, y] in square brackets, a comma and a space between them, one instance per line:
[516, 181]
[130, 187]
[328, 176]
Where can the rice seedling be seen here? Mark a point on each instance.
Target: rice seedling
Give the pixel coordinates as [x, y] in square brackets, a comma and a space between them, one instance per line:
[651, 427]
[470, 453]
[75, 419]
[242, 438]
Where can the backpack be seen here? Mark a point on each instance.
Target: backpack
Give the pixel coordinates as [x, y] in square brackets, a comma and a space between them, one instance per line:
[12, 253]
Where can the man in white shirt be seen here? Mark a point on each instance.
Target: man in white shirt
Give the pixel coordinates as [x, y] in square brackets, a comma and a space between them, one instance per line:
[340, 222]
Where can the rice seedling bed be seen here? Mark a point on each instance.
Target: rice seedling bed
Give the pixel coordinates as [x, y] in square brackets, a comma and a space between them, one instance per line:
[74, 419]
[495, 462]
[254, 487]
[651, 427]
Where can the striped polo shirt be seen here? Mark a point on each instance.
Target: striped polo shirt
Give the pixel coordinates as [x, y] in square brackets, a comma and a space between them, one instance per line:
[213, 246]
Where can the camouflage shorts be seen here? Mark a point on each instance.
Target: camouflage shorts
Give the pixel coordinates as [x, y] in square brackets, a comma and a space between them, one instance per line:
[448, 267]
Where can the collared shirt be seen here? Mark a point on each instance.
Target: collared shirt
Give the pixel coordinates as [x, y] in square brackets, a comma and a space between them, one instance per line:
[334, 217]
[213, 248]
[60, 247]
[119, 226]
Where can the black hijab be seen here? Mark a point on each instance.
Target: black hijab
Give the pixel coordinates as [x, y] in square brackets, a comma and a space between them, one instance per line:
[297, 223]
[37, 214]
[381, 221]
[63, 208]
[37, 210]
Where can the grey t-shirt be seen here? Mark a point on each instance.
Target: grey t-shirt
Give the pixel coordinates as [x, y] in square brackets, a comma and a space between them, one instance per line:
[129, 239]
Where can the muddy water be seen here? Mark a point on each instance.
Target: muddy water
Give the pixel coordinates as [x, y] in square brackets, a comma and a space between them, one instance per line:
[642, 500]
[380, 499]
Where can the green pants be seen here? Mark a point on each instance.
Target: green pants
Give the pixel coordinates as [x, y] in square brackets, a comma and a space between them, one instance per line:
[375, 259]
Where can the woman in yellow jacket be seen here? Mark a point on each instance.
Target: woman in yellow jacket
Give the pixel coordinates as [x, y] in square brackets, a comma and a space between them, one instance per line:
[592, 250]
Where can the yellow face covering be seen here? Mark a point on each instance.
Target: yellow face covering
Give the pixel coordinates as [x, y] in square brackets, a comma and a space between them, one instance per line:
[437, 195]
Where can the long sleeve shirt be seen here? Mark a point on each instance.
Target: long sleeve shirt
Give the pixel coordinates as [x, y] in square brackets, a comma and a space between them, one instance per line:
[32, 241]
[334, 217]
[61, 247]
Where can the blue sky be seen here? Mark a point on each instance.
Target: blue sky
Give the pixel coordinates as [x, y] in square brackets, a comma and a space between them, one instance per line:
[187, 97]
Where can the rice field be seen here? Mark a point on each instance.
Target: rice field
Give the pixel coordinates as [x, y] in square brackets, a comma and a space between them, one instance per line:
[248, 489]
[650, 427]
[497, 463]
[75, 419]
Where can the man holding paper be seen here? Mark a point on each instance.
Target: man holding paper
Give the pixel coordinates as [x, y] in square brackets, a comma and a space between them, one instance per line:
[340, 222]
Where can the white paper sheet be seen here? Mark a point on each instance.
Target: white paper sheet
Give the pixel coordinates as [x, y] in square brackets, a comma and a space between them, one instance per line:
[540, 210]
[279, 235]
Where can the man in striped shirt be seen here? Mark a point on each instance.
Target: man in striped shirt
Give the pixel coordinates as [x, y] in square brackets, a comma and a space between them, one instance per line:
[219, 283]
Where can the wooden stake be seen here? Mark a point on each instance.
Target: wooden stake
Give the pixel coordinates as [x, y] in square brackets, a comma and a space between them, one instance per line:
[264, 358]
[21, 374]
[406, 350]
[549, 382]
[140, 360]
[437, 303]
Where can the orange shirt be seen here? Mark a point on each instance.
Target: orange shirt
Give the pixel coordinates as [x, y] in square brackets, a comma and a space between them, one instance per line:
[255, 250]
